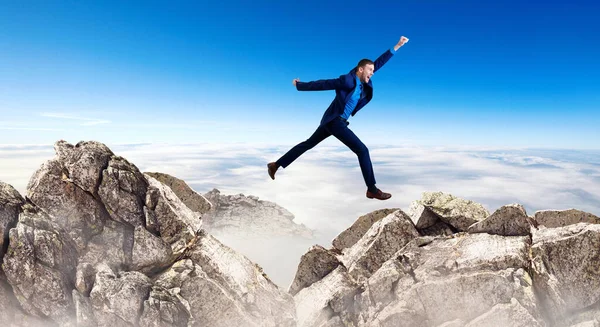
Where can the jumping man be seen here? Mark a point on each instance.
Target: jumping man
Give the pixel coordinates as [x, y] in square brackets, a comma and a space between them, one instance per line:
[352, 92]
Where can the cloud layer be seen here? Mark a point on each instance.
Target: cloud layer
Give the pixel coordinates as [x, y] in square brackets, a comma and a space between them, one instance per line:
[325, 191]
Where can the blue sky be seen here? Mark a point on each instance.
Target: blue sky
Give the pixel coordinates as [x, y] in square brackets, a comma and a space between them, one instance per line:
[507, 73]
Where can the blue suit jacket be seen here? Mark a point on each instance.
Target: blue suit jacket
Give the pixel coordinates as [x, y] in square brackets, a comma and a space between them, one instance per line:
[344, 87]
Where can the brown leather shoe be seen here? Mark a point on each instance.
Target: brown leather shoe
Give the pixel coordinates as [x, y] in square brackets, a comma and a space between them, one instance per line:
[380, 195]
[272, 167]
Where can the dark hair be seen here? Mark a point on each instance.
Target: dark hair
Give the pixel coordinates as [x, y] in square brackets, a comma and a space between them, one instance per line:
[364, 62]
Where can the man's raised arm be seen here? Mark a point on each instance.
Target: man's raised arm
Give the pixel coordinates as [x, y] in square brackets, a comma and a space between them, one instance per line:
[379, 62]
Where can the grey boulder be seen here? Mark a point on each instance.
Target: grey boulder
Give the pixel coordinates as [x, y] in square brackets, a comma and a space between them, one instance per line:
[509, 220]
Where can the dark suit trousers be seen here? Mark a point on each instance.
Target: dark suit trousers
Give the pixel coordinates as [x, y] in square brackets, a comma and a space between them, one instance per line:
[339, 129]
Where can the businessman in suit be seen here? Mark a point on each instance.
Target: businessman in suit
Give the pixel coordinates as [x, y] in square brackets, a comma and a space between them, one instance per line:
[352, 92]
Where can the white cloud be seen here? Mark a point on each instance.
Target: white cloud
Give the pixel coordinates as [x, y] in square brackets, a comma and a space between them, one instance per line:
[85, 121]
[324, 188]
[40, 129]
[95, 122]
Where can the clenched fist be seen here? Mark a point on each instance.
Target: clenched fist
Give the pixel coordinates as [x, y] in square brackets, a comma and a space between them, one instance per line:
[403, 40]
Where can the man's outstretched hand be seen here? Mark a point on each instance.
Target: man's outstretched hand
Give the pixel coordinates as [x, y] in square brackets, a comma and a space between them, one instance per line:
[402, 41]
[295, 80]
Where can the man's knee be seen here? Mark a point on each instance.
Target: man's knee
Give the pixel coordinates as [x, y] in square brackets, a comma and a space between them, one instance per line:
[361, 149]
[309, 144]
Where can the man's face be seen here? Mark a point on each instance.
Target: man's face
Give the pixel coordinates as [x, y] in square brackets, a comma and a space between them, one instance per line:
[365, 72]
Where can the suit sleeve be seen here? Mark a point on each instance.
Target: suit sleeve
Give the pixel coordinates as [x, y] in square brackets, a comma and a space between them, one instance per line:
[379, 62]
[321, 85]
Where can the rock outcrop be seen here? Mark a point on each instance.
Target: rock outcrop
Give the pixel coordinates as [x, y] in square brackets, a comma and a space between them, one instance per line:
[354, 233]
[421, 270]
[10, 207]
[261, 230]
[381, 241]
[560, 218]
[566, 268]
[247, 215]
[98, 243]
[314, 265]
[193, 200]
[509, 220]
[456, 212]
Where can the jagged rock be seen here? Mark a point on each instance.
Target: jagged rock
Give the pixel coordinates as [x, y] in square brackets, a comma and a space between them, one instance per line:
[566, 270]
[509, 220]
[117, 298]
[39, 264]
[149, 253]
[123, 191]
[83, 310]
[233, 276]
[209, 303]
[249, 216]
[421, 216]
[221, 288]
[68, 254]
[83, 163]
[438, 229]
[313, 266]
[189, 197]
[176, 223]
[560, 218]
[460, 278]
[476, 279]
[326, 299]
[454, 211]
[506, 314]
[350, 236]
[67, 205]
[85, 275]
[163, 309]
[380, 243]
[10, 206]
[112, 247]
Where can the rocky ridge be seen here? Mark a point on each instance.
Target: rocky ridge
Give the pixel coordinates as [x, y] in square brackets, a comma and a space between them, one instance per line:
[98, 243]
[186, 194]
[249, 216]
[449, 262]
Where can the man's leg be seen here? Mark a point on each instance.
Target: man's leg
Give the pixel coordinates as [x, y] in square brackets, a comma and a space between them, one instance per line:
[340, 130]
[319, 135]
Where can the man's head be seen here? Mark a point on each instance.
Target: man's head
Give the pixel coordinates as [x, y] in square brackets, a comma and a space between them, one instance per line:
[365, 69]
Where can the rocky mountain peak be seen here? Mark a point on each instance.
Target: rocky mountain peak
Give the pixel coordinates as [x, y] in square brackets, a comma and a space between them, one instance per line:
[98, 243]
[449, 262]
